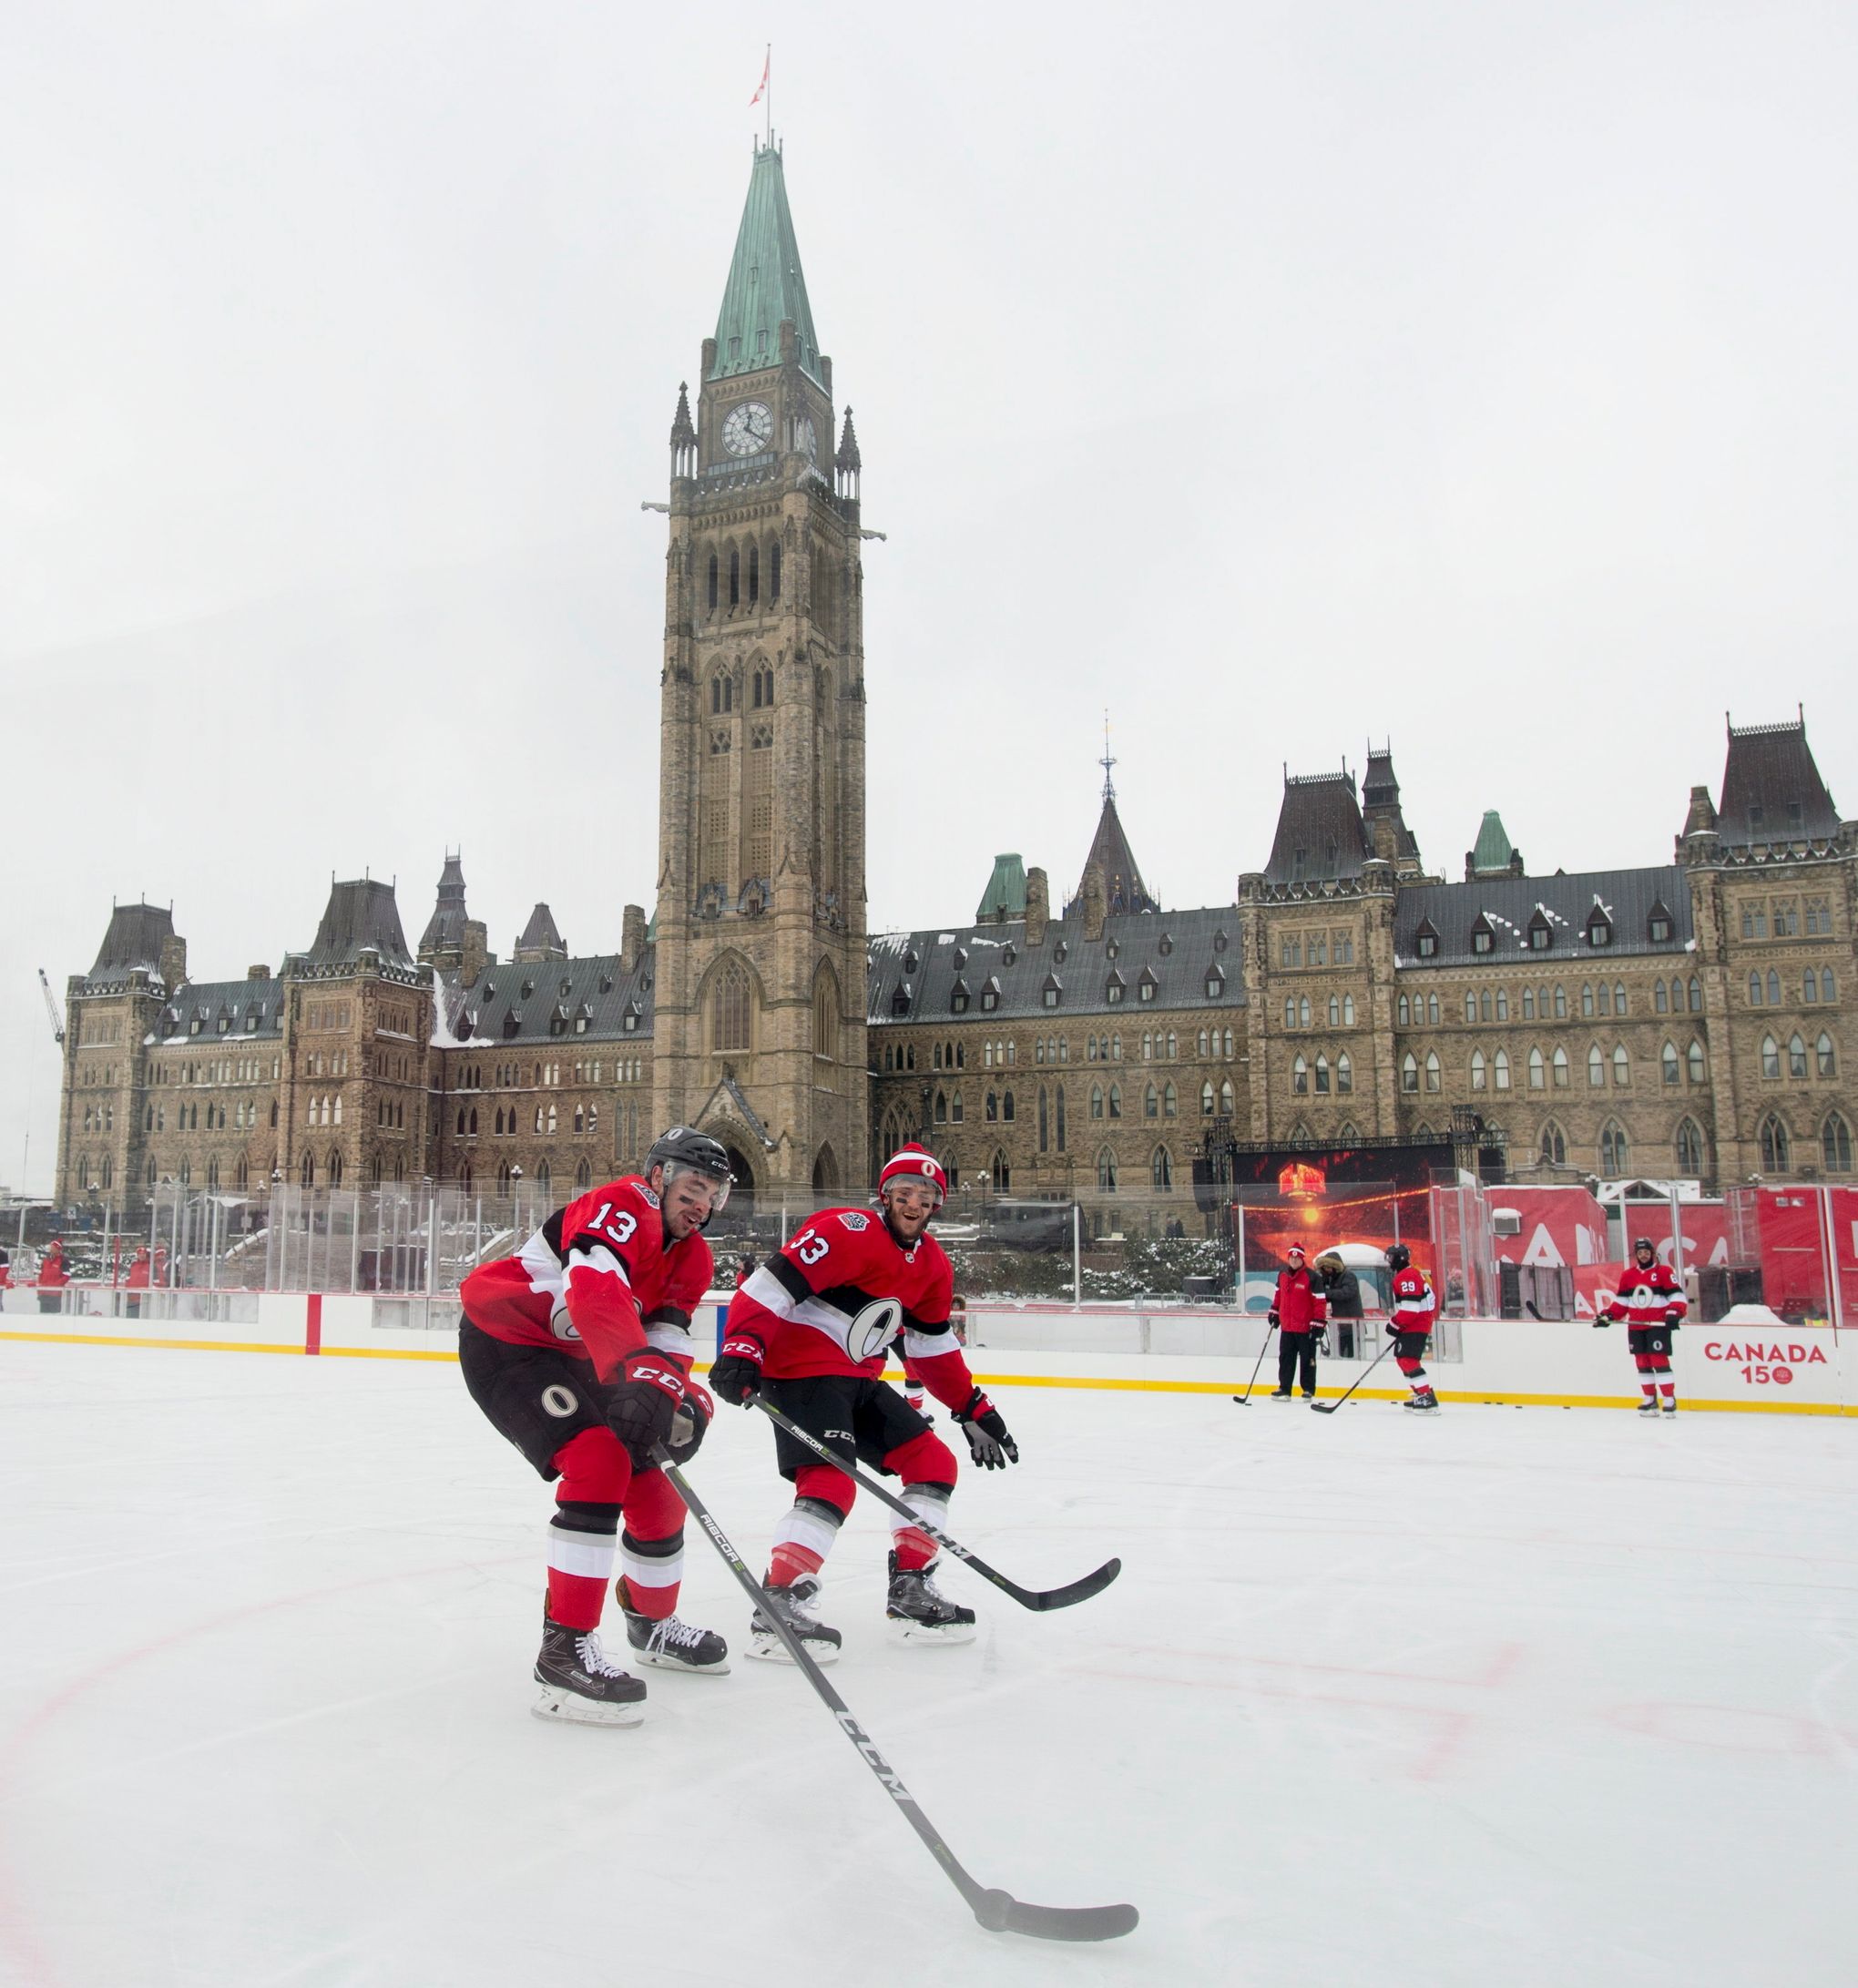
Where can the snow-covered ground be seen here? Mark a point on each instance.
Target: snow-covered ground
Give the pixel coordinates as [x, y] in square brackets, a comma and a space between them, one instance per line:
[1539, 1696]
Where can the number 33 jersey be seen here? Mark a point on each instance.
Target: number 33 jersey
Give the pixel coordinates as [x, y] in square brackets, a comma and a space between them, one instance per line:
[596, 1281]
[841, 1292]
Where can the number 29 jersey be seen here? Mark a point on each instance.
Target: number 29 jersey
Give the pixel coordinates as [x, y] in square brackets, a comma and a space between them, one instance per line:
[841, 1292]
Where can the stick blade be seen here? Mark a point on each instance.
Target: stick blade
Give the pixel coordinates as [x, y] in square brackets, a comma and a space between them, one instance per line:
[1323, 1408]
[1078, 1591]
[1000, 1913]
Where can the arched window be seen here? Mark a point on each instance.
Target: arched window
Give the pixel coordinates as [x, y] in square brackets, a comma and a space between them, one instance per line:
[1300, 1076]
[1670, 1064]
[1322, 1075]
[1587, 998]
[1829, 990]
[1000, 1171]
[990, 1108]
[1303, 1012]
[1344, 1073]
[712, 583]
[1596, 1068]
[1115, 1100]
[1554, 1146]
[1619, 997]
[1335, 1011]
[1696, 996]
[1409, 1072]
[1432, 1070]
[1828, 1056]
[730, 1007]
[1470, 1006]
[1348, 1011]
[1058, 1104]
[1622, 1067]
[1432, 1009]
[1500, 1069]
[1044, 1121]
[1777, 1147]
[1479, 1076]
[1796, 1056]
[942, 1107]
[1754, 990]
[1773, 988]
[825, 1017]
[1226, 1097]
[774, 574]
[1694, 1059]
[1835, 1145]
[1661, 997]
[1170, 1100]
[1151, 1103]
[583, 1177]
[1689, 1148]
[1771, 1057]
[754, 579]
[735, 577]
[1096, 1100]
[306, 1171]
[1206, 1098]
[1161, 1169]
[1403, 1010]
[1538, 1071]
[1105, 1171]
[1613, 1150]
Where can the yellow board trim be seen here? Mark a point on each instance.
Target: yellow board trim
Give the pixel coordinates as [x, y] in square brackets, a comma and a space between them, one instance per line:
[1102, 1383]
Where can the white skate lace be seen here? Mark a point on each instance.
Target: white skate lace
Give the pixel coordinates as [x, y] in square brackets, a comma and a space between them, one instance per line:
[594, 1660]
[677, 1633]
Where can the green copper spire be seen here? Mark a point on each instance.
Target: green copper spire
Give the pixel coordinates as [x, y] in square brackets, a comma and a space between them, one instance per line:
[1491, 857]
[1004, 896]
[765, 287]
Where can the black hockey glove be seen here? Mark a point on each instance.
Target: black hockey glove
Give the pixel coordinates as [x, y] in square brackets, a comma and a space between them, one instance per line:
[992, 1448]
[1601, 1321]
[1270, 1321]
[1318, 1338]
[736, 1372]
[645, 1399]
[1673, 1319]
[690, 1423]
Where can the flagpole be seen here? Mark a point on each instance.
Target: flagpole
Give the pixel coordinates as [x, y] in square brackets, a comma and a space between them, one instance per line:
[768, 70]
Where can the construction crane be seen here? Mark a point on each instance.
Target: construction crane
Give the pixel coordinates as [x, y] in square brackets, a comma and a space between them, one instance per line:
[52, 1009]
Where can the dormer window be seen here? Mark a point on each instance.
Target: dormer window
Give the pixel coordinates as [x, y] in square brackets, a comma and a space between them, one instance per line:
[1059, 951]
[960, 957]
[1216, 985]
[1113, 950]
[1541, 933]
[900, 1000]
[1167, 945]
[1218, 942]
[1115, 988]
[1658, 925]
[528, 988]
[958, 998]
[1145, 987]
[910, 962]
[1427, 940]
[1599, 928]
[990, 996]
[1007, 955]
[1483, 939]
[628, 1022]
[1053, 992]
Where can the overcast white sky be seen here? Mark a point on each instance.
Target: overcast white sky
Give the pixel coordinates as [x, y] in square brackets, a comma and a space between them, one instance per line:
[1476, 375]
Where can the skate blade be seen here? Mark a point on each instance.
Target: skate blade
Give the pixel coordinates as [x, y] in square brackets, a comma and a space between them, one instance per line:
[562, 1708]
[769, 1649]
[903, 1631]
[688, 1670]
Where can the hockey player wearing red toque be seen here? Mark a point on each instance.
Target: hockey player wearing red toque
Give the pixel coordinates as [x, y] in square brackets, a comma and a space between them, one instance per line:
[1413, 1306]
[812, 1330]
[1298, 1310]
[53, 1277]
[578, 1350]
[1651, 1301]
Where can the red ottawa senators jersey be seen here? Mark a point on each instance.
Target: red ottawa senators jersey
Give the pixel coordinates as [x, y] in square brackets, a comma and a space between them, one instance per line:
[597, 1280]
[1647, 1296]
[1414, 1302]
[841, 1292]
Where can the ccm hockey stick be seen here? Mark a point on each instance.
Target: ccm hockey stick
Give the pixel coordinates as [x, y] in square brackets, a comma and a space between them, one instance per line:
[1244, 1401]
[1036, 1598]
[1329, 1408]
[997, 1910]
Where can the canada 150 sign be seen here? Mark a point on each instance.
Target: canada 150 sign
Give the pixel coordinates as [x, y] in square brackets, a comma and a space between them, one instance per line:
[1764, 1363]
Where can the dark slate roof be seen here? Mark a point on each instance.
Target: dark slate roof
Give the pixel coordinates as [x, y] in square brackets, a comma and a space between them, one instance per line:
[239, 1003]
[1320, 832]
[445, 928]
[360, 914]
[562, 994]
[540, 935]
[1380, 783]
[1123, 889]
[1772, 789]
[1510, 905]
[134, 939]
[976, 955]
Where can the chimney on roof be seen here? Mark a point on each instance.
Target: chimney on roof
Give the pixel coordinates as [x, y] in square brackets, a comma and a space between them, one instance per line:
[174, 959]
[1038, 906]
[474, 952]
[257, 973]
[1094, 895]
[631, 936]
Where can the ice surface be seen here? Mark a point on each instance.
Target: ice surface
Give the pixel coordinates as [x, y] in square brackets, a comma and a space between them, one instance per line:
[1509, 1696]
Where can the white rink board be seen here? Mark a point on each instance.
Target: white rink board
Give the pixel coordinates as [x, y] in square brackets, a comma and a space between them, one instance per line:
[1503, 1696]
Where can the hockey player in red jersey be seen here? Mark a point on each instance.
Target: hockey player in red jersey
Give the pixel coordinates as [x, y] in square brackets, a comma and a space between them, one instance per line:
[1651, 1301]
[578, 1350]
[1413, 1306]
[812, 1330]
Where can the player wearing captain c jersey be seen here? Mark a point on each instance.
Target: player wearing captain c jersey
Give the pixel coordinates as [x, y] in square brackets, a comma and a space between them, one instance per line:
[1652, 1303]
[1413, 1306]
[812, 1330]
[578, 1351]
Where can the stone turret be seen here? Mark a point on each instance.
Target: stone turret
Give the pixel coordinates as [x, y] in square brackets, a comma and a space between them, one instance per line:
[1038, 906]
[631, 936]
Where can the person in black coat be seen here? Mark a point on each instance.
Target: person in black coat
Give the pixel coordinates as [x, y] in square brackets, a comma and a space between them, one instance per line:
[1343, 1290]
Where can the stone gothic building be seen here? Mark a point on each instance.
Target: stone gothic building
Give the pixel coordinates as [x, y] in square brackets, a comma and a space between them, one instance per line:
[1685, 1020]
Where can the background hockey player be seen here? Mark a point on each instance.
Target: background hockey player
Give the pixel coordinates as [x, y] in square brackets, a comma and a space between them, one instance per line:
[812, 1330]
[1651, 1301]
[1298, 1310]
[1412, 1306]
[578, 1350]
[53, 1277]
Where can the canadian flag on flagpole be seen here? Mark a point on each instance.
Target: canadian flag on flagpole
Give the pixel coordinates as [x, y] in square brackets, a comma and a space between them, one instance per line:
[762, 85]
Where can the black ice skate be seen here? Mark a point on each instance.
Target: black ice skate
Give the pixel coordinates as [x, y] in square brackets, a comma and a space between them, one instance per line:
[674, 1644]
[921, 1612]
[1424, 1404]
[581, 1684]
[1670, 1404]
[794, 1606]
[1648, 1406]
[1280, 1394]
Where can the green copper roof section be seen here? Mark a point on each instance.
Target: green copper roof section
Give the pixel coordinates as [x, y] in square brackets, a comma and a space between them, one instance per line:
[1004, 896]
[1491, 854]
[765, 286]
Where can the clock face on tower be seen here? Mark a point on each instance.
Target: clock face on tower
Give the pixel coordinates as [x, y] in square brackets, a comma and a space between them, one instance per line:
[748, 428]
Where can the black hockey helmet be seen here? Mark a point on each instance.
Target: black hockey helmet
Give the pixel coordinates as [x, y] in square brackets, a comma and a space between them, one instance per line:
[1398, 1256]
[1643, 1242]
[685, 1149]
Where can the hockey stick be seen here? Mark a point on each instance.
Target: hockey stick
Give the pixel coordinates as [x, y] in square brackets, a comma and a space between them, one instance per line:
[1034, 1598]
[997, 1910]
[1244, 1401]
[1329, 1408]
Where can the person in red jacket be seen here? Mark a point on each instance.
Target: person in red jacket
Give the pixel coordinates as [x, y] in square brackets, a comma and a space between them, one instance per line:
[1412, 1306]
[1651, 1301]
[1298, 1310]
[136, 1282]
[578, 1351]
[812, 1330]
[53, 1277]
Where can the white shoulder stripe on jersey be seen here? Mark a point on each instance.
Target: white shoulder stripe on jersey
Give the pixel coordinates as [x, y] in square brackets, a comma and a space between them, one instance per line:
[596, 1256]
[927, 1345]
[766, 1289]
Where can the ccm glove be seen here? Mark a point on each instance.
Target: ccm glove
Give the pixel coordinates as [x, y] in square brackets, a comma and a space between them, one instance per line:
[690, 1424]
[1672, 1320]
[736, 1372]
[992, 1448]
[645, 1399]
[1601, 1321]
